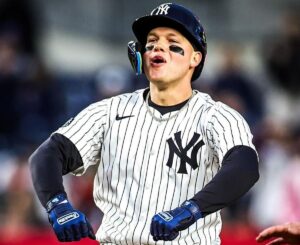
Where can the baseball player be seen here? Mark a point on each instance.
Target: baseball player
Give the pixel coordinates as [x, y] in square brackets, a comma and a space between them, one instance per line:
[169, 157]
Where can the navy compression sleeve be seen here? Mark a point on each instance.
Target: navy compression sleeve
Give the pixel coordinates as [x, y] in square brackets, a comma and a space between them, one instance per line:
[56, 157]
[238, 174]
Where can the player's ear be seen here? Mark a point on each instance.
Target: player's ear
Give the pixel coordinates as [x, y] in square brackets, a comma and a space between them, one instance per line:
[196, 58]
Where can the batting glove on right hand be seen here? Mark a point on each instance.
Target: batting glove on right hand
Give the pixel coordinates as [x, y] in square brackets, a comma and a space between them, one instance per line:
[166, 225]
[68, 224]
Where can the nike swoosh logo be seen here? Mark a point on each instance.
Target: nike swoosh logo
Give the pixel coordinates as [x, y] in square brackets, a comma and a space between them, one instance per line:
[123, 117]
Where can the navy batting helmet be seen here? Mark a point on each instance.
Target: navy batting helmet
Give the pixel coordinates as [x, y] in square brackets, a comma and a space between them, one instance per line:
[179, 18]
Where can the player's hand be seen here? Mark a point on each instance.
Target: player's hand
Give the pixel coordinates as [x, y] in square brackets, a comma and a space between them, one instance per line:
[288, 233]
[166, 225]
[68, 224]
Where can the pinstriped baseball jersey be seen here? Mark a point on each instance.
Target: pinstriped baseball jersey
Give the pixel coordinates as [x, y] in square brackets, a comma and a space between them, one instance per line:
[148, 162]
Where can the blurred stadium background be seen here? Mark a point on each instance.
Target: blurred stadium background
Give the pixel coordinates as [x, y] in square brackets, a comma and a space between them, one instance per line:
[58, 56]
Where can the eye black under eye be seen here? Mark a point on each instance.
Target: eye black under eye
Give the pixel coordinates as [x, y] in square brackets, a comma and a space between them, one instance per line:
[176, 49]
[149, 47]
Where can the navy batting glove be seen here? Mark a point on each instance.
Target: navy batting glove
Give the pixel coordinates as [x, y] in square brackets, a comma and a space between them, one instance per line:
[166, 225]
[68, 224]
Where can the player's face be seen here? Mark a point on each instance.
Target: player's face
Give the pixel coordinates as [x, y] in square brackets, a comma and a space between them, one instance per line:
[169, 56]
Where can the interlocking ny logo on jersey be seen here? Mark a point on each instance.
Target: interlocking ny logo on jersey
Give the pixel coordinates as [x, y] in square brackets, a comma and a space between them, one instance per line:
[182, 152]
[161, 9]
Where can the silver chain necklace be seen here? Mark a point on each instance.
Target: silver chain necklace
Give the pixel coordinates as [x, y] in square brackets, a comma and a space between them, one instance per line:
[170, 117]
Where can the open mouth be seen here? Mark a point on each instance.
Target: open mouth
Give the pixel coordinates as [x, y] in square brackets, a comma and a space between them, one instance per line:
[158, 60]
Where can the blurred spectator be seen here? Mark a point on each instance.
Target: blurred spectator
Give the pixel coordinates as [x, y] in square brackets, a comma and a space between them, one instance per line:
[112, 80]
[287, 213]
[18, 215]
[290, 197]
[8, 84]
[77, 91]
[19, 17]
[39, 105]
[29, 98]
[275, 156]
[30, 101]
[282, 54]
[234, 87]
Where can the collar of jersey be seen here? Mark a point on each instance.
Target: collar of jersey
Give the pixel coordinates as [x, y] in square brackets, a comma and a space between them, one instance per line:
[163, 109]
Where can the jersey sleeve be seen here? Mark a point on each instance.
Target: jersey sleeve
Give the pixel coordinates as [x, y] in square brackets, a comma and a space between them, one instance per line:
[225, 128]
[86, 131]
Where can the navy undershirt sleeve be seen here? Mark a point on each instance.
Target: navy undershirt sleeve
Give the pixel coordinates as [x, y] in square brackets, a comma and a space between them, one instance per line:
[56, 157]
[238, 174]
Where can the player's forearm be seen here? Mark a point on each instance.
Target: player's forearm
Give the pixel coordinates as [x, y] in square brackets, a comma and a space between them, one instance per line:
[54, 158]
[46, 172]
[238, 174]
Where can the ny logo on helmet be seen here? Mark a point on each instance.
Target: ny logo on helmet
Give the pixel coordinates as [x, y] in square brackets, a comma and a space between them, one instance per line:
[182, 152]
[161, 9]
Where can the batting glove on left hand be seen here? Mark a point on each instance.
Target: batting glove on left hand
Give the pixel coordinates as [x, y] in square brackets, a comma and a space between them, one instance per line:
[68, 224]
[166, 225]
